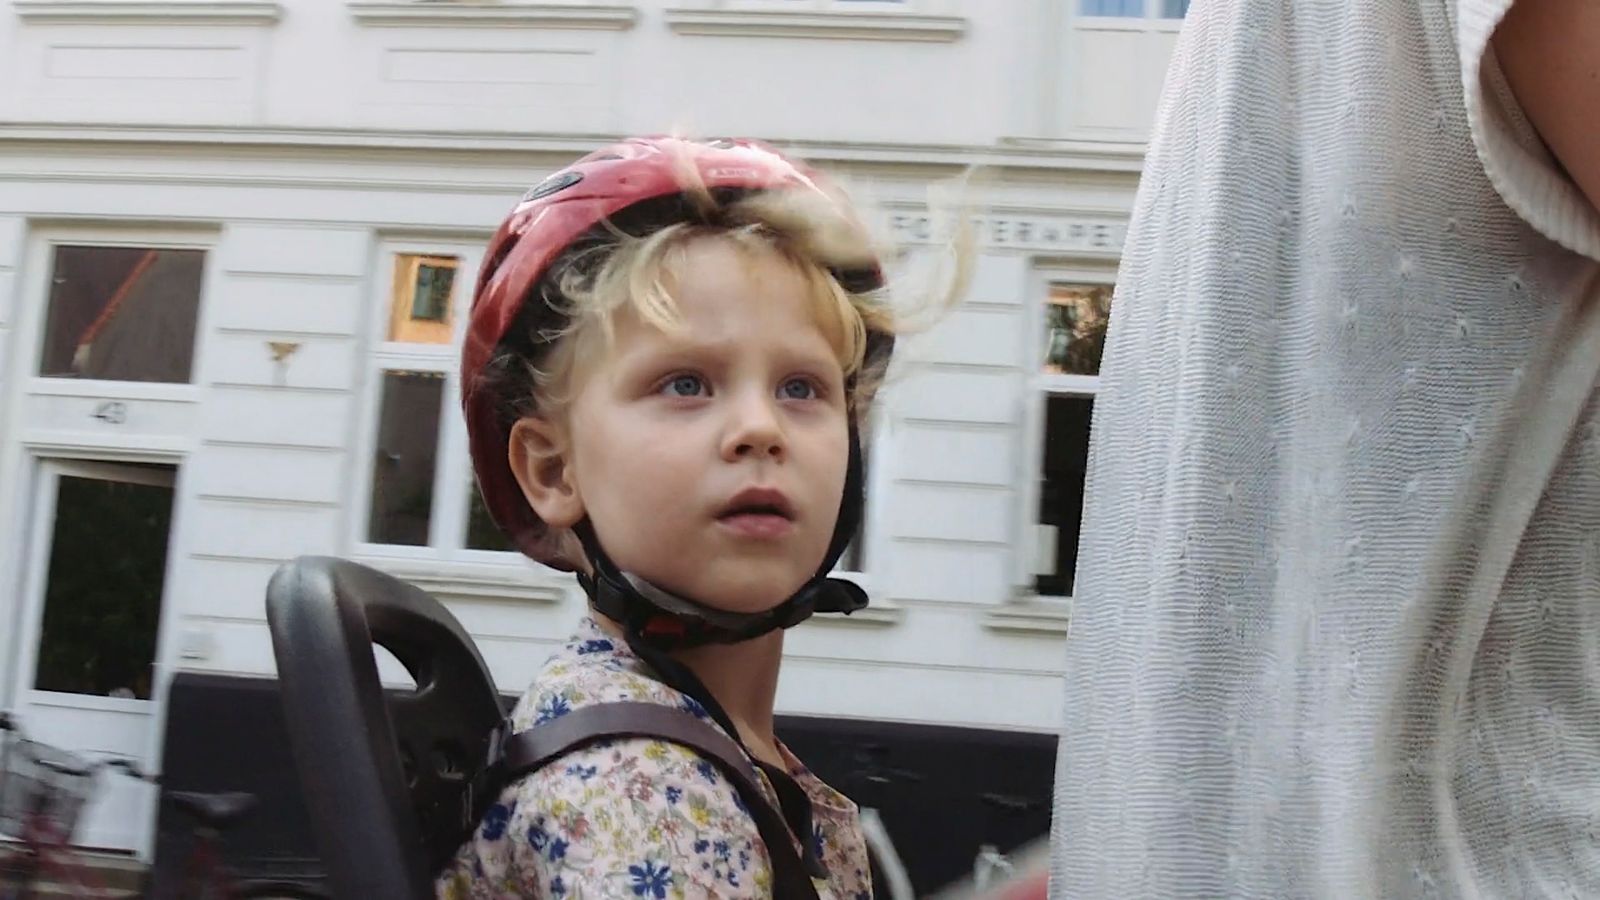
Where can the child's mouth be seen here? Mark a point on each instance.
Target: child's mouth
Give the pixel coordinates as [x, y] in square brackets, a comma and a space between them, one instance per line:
[755, 523]
[758, 514]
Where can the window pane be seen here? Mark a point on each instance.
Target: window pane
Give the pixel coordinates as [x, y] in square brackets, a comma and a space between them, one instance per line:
[482, 533]
[402, 473]
[1125, 8]
[1066, 457]
[855, 553]
[102, 605]
[1075, 332]
[1174, 9]
[122, 314]
[420, 312]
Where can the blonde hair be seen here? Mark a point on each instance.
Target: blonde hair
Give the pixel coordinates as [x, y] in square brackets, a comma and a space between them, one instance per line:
[630, 264]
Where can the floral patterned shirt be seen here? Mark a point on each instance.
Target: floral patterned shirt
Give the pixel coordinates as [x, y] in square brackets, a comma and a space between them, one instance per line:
[636, 818]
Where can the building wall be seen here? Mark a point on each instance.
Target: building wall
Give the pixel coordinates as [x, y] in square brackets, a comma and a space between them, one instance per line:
[11, 229]
[877, 72]
[302, 143]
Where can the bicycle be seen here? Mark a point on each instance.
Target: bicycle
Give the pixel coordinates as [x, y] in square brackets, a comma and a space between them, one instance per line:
[43, 790]
[895, 883]
[1018, 874]
[206, 876]
[871, 777]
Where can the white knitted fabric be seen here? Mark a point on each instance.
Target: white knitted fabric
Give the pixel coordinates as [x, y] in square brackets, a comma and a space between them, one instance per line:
[1337, 626]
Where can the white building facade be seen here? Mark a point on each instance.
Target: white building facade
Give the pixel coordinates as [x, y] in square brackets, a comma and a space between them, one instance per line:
[237, 239]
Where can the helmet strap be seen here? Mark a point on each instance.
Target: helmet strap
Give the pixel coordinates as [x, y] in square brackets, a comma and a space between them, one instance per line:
[792, 799]
[670, 621]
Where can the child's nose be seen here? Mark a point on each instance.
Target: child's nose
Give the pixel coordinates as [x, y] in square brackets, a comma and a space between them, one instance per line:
[755, 431]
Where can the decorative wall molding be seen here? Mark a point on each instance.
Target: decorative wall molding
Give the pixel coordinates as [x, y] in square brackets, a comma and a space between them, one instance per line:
[852, 26]
[62, 444]
[514, 583]
[513, 14]
[156, 12]
[880, 613]
[1126, 159]
[1033, 615]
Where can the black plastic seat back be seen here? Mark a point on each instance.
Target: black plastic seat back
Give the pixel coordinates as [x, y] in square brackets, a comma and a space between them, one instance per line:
[384, 773]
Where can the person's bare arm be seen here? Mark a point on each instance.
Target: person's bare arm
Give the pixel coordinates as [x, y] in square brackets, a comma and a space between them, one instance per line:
[1550, 53]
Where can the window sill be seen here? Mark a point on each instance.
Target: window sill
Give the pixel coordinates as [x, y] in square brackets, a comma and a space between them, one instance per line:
[524, 15]
[164, 12]
[97, 389]
[878, 614]
[1061, 383]
[448, 581]
[1033, 615]
[1128, 23]
[820, 25]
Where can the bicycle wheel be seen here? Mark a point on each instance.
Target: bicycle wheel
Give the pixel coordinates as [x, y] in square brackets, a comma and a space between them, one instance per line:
[276, 890]
[15, 891]
[16, 877]
[885, 859]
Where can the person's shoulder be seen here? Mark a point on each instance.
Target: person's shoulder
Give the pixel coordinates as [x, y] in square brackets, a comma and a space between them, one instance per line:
[624, 818]
[617, 817]
[593, 668]
[650, 773]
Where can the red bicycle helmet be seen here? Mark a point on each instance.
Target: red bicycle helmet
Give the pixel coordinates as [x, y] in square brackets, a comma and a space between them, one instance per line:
[550, 218]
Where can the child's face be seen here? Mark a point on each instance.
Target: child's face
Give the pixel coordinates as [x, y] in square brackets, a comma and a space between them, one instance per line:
[666, 433]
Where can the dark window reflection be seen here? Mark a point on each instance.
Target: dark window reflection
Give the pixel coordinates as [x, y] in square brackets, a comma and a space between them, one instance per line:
[420, 313]
[102, 605]
[1075, 328]
[855, 554]
[1066, 458]
[122, 314]
[430, 298]
[482, 533]
[408, 440]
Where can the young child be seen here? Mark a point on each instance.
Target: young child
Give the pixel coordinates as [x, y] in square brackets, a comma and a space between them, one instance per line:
[671, 349]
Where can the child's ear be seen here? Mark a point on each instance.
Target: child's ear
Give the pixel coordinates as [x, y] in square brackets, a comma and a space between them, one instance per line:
[538, 457]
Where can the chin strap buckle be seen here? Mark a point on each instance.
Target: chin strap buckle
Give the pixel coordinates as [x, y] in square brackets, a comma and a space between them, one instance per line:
[838, 595]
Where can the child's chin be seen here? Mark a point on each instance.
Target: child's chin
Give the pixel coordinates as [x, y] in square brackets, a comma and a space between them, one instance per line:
[735, 586]
[739, 596]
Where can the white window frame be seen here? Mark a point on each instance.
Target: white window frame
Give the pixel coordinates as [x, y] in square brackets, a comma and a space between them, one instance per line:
[877, 440]
[1065, 73]
[451, 492]
[31, 318]
[452, 476]
[26, 447]
[1041, 386]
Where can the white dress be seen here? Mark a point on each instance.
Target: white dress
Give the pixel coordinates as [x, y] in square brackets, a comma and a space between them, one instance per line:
[1337, 625]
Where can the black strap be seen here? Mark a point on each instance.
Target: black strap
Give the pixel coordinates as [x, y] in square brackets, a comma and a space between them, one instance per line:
[792, 799]
[530, 750]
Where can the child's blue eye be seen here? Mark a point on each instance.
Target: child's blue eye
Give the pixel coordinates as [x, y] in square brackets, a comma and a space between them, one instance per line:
[685, 386]
[798, 389]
